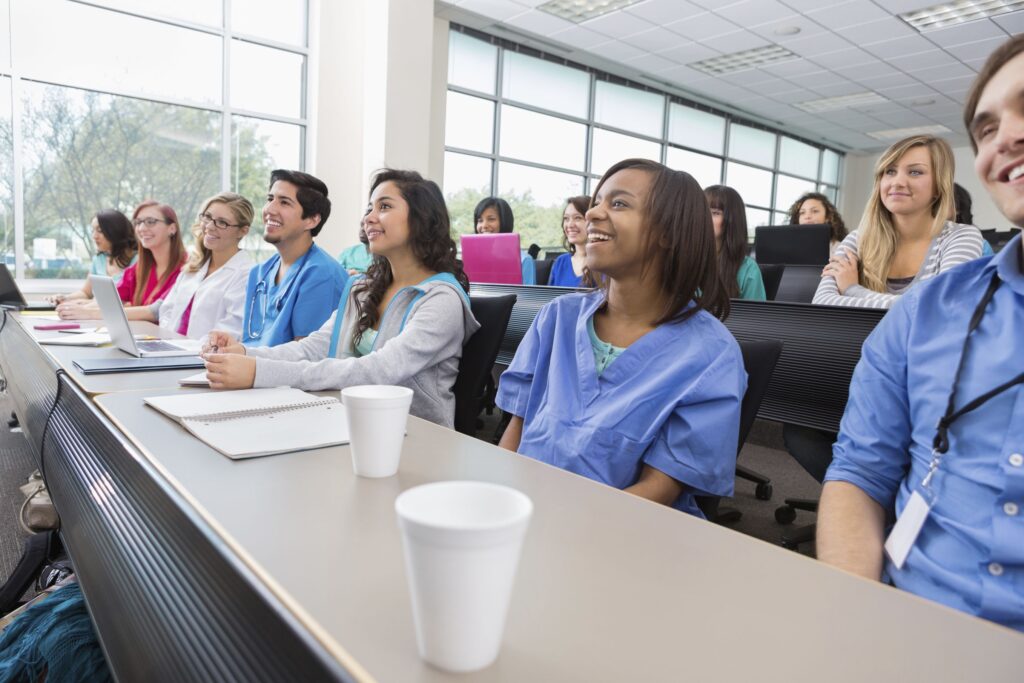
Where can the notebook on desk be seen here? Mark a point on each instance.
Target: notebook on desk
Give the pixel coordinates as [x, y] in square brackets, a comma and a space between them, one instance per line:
[99, 366]
[256, 422]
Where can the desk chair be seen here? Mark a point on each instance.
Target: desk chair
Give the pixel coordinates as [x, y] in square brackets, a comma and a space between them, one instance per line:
[759, 359]
[771, 275]
[544, 271]
[798, 284]
[478, 356]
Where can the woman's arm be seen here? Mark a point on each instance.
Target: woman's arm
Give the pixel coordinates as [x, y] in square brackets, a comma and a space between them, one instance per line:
[838, 288]
[964, 244]
[655, 485]
[513, 434]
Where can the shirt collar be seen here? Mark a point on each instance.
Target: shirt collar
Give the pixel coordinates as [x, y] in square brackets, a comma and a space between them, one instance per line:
[1008, 264]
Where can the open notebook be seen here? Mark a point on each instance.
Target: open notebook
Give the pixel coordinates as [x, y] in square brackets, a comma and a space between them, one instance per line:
[254, 422]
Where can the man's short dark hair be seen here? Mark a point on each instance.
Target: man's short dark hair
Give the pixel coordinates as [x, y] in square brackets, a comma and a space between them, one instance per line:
[311, 193]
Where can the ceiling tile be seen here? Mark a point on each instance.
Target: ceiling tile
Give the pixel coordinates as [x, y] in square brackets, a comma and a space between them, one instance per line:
[808, 5]
[655, 40]
[956, 83]
[652, 64]
[877, 31]
[714, 4]
[794, 68]
[862, 71]
[618, 51]
[888, 81]
[838, 88]
[754, 12]
[822, 43]
[851, 56]
[737, 41]
[661, 12]
[902, 92]
[496, 9]
[749, 76]
[579, 38]
[539, 22]
[805, 27]
[936, 73]
[897, 47]
[924, 60]
[1012, 23]
[977, 50]
[797, 95]
[848, 14]
[903, 6]
[703, 26]
[769, 86]
[970, 32]
[618, 24]
[686, 76]
[820, 78]
[687, 53]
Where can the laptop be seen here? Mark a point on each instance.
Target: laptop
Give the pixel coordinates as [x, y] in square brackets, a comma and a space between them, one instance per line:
[116, 320]
[493, 258]
[798, 245]
[11, 296]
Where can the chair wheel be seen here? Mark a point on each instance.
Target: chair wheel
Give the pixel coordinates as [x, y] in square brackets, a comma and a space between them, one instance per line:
[785, 514]
[763, 492]
[789, 546]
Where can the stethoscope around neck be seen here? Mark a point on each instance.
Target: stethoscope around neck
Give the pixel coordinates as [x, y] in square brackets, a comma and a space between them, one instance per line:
[263, 288]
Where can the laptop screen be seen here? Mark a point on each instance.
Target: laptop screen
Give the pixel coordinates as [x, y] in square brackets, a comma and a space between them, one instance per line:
[492, 258]
[10, 295]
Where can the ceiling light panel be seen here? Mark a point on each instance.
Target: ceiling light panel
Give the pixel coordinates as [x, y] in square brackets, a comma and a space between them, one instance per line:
[898, 133]
[862, 99]
[746, 59]
[578, 11]
[953, 13]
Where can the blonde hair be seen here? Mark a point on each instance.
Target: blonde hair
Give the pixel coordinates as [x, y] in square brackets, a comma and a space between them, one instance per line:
[240, 208]
[877, 238]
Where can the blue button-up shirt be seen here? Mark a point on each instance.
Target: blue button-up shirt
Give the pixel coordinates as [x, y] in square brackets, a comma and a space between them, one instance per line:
[970, 552]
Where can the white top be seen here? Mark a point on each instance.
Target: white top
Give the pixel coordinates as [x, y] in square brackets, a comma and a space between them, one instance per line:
[219, 299]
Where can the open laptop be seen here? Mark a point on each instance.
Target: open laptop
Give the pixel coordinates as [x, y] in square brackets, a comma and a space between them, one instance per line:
[11, 296]
[114, 318]
[798, 245]
[492, 258]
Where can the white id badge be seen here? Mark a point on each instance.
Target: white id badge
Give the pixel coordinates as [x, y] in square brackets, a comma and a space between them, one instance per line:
[908, 526]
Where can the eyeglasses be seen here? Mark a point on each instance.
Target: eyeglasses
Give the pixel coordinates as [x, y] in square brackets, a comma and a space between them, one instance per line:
[150, 222]
[219, 223]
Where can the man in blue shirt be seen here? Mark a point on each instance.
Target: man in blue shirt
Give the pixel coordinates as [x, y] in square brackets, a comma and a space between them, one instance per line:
[950, 349]
[294, 292]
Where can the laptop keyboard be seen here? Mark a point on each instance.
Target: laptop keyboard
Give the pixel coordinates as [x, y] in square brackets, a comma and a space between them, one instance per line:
[157, 346]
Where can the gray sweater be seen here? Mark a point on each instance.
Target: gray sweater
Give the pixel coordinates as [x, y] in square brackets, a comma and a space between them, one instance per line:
[418, 345]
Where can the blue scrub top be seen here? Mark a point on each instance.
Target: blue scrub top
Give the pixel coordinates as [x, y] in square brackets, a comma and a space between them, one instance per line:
[529, 270]
[671, 400]
[298, 306]
[562, 274]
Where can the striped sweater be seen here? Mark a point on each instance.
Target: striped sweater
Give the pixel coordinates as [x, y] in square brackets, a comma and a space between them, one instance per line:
[956, 244]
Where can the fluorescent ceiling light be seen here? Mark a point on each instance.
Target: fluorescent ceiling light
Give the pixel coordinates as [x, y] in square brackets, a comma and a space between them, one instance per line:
[578, 11]
[861, 99]
[897, 133]
[952, 13]
[741, 61]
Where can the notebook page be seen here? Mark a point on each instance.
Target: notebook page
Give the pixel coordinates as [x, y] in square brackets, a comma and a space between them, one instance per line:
[231, 403]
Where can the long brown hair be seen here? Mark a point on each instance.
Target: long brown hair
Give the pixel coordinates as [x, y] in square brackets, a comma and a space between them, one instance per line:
[118, 230]
[832, 217]
[679, 226]
[733, 247]
[146, 261]
[430, 237]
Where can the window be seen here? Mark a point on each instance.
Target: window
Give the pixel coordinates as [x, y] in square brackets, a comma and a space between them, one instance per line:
[472, 63]
[697, 129]
[469, 122]
[537, 197]
[789, 189]
[753, 184]
[706, 170]
[610, 148]
[543, 139]
[138, 112]
[798, 158]
[751, 144]
[467, 180]
[628, 108]
[542, 84]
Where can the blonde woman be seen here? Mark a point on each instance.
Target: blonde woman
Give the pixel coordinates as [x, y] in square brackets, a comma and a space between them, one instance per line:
[903, 237]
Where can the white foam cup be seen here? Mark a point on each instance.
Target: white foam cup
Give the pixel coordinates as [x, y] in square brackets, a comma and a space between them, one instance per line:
[462, 541]
[376, 424]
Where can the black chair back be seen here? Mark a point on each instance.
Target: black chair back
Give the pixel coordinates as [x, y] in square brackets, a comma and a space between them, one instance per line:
[543, 270]
[478, 355]
[771, 275]
[759, 359]
[798, 284]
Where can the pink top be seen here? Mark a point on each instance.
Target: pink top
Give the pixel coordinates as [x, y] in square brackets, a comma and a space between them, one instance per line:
[150, 293]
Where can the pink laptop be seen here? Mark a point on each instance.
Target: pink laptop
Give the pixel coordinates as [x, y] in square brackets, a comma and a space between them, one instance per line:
[492, 258]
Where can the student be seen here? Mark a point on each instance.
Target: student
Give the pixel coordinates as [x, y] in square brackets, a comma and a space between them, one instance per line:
[494, 215]
[210, 292]
[161, 255]
[292, 293]
[636, 384]
[904, 237]
[814, 208]
[404, 323]
[962, 214]
[357, 258]
[567, 270]
[114, 237]
[948, 350]
[740, 273]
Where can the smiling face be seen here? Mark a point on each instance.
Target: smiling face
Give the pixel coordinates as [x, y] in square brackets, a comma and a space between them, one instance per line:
[387, 223]
[103, 245]
[574, 225]
[282, 215]
[812, 212]
[616, 234]
[907, 187]
[152, 229]
[717, 222]
[998, 131]
[216, 239]
[489, 222]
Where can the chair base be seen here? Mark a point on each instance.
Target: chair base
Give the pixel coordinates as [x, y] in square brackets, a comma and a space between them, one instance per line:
[763, 490]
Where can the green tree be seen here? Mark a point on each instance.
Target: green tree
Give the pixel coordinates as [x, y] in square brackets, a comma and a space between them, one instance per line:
[536, 224]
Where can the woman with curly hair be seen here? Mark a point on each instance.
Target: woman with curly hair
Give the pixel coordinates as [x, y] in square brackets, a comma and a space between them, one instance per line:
[814, 208]
[404, 323]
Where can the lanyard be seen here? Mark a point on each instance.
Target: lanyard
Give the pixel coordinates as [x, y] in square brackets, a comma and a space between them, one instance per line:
[262, 287]
[941, 442]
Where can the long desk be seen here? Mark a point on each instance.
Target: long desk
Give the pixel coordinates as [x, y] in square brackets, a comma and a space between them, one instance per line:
[196, 567]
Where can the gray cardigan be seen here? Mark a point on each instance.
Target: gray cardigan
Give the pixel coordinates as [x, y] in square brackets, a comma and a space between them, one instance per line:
[418, 345]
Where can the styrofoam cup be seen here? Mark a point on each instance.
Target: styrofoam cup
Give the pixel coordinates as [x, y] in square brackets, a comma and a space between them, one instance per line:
[462, 541]
[376, 425]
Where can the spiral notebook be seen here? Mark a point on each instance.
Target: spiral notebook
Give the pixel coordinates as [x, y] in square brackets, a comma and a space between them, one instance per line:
[254, 422]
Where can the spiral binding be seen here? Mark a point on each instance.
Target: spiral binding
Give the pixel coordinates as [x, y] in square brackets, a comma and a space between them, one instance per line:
[237, 414]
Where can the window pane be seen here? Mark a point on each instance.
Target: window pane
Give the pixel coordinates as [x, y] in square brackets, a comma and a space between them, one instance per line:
[253, 67]
[5, 34]
[467, 180]
[542, 139]
[751, 144]
[283, 21]
[780, 218]
[697, 129]
[756, 217]
[788, 190]
[538, 199]
[830, 192]
[196, 11]
[798, 158]
[472, 63]
[753, 184]
[705, 170]
[830, 167]
[545, 84]
[85, 151]
[610, 148]
[629, 108]
[469, 123]
[7, 246]
[97, 48]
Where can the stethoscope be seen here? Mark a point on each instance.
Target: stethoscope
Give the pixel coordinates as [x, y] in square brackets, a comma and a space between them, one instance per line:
[263, 288]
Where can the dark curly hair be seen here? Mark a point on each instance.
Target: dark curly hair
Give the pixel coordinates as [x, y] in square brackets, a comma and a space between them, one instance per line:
[832, 216]
[430, 236]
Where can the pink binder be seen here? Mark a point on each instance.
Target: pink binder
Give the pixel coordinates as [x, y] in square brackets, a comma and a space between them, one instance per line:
[492, 258]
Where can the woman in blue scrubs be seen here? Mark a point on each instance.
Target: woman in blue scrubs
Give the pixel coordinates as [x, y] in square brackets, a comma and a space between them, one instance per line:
[493, 215]
[637, 384]
[567, 270]
[740, 273]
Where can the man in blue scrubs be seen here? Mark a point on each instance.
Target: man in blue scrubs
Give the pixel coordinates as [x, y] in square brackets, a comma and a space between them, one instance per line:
[933, 435]
[294, 292]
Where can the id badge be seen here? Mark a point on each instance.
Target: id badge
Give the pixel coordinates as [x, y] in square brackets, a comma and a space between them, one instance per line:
[908, 526]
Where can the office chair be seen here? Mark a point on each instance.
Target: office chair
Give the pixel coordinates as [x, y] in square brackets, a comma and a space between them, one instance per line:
[771, 275]
[478, 356]
[759, 359]
[798, 284]
[544, 271]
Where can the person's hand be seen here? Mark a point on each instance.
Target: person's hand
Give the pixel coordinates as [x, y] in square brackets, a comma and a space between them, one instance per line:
[76, 310]
[56, 298]
[221, 342]
[230, 371]
[353, 271]
[843, 267]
